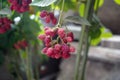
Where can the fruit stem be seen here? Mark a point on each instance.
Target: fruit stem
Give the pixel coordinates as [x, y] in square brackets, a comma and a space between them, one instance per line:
[60, 17]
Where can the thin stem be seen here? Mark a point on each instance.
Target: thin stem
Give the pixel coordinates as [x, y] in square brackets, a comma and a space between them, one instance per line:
[81, 42]
[60, 17]
[85, 56]
[79, 53]
[97, 6]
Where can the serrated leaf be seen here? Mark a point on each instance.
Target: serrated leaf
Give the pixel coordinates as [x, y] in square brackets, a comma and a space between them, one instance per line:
[77, 20]
[5, 11]
[42, 3]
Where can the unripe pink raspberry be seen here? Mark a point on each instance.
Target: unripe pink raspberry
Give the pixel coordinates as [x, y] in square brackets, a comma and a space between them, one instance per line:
[61, 31]
[43, 14]
[57, 56]
[72, 49]
[69, 39]
[57, 47]
[42, 36]
[46, 28]
[49, 32]
[65, 48]
[47, 39]
[44, 50]
[50, 51]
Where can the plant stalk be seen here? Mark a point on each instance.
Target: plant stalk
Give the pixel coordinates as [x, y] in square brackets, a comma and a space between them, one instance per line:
[82, 34]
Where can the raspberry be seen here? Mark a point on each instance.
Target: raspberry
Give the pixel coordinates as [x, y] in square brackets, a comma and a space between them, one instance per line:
[43, 14]
[54, 21]
[70, 34]
[21, 45]
[2, 30]
[65, 55]
[69, 39]
[57, 47]
[47, 39]
[57, 56]
[47, 20]
[20, 5]
[72, 49]
[61, 31]
[5, 25]
[42, 36]
[44, 50]
[49, 32]
[50, 51]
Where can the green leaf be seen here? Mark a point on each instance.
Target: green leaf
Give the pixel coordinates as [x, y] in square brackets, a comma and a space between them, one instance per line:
[98, 4]
[42, 3]
[1, 58]
[81, 9]
[117, 2]
[77, 20]
[5, 11]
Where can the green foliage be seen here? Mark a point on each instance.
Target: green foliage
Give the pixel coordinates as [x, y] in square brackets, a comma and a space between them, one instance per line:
[98, 3]
[42, 3]
[117, 2]
[5, 11]
[77, 20]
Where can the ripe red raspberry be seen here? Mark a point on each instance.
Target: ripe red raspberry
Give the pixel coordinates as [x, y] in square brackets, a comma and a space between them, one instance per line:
[47, 20]
[2, 30]
[43, 14]
[65, 55]
[5, 24]
[57, 47]
[23, 44]
[70, 34]
[42, 36]
[16, 46]
[61, 31]
[20, 5]
[54, 21]
[51, 15]
[72, 49]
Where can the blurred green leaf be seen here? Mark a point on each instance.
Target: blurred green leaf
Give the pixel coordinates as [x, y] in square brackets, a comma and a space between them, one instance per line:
[42, 3]
[81, 9]
[5, 11]
[117, 2]
[77, 20]
[101, 2]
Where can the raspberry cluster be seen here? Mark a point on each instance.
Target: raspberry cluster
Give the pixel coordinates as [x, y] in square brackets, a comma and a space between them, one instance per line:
[5, 24]
[21, 44]
[57, 47]
[48, 18]
[20, 5]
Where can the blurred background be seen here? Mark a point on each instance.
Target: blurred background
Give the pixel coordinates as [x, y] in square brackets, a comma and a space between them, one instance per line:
[104, 54]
